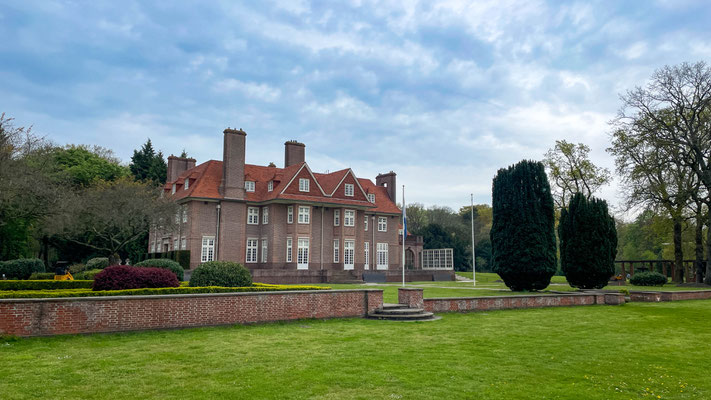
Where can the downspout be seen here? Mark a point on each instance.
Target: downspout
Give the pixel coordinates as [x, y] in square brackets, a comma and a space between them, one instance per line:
[321, 255]
[217, 233]
[373, 247]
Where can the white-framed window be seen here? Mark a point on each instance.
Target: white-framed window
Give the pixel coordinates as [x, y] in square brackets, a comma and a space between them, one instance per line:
[187, 184]
[289, 249]
[208, 249]
[349, 189]
[302, 255]
[303, 185]
[264, 250]
[290, 214]
[382, 224]
[371, 197]
[173, 190]
[270, 186]
[175, 244]
[336, 217]
[366, 253]
[265, 215]
[349, 218]
[304, 214]
[253, 215]
[249, 186]
[153, 247]
[348, 254]
[252, 250]
[185, 214]
[335, 250]
[365, 222]
[183, 243]
[382, 256]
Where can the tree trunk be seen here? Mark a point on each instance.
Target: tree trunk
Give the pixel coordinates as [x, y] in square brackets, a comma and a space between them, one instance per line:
[678, 252]
[707, 279]
[699, 249]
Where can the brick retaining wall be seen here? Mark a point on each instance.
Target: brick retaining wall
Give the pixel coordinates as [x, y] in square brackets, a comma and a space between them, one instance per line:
[44, 317]
[670, 296]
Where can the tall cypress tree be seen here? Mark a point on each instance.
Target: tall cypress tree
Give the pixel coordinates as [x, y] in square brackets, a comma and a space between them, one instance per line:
[523, 231]
[588, 242]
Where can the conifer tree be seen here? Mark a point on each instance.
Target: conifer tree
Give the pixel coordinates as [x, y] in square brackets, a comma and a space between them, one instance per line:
[147, 165]
[588, 242]
[523, 232]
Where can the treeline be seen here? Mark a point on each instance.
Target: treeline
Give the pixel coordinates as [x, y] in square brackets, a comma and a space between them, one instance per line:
[442, 227]
[76, 202]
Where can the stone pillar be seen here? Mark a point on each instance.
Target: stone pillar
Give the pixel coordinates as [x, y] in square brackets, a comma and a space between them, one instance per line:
[411, 297]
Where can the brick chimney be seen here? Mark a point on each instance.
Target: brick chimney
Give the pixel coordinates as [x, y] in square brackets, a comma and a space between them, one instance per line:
[389, 181]
[294, 153]
[178, 165]
[232, 186]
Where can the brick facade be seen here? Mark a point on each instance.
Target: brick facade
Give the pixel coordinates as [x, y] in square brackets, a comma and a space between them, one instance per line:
[45, 317]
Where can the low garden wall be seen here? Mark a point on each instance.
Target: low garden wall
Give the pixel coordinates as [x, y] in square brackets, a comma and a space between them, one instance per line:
[670, 296]
[58, 316]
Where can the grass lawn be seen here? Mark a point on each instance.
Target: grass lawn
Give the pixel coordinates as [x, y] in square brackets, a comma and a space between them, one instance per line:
[639, 350]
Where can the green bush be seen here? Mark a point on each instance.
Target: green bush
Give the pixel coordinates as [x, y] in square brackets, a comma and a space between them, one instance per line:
[87, 275]
[76, 268]
[21, 269]
[588, 243]
[164, 263]
[648, 279]
[36, 276]
[97, 263]
[182, 257]
[523, 246]
[221, 273]
[149, 292]
[44, 285]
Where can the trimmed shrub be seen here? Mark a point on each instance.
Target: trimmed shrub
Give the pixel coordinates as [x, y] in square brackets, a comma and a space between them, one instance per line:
[41, 276]
[44, 285]
[588, 243]
[119, 277]
[87, 275]
[648, 279]
[21, 269]
[523, 246]
[97, 263]
[221, 273]
[165, 264]
[143, 292]
[76, 268]
[182, 257]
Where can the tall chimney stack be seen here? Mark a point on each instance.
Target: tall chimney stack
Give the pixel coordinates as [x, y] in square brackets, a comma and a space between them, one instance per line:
[178, 165]
[233, 158]
[389, 181]
[294, 153]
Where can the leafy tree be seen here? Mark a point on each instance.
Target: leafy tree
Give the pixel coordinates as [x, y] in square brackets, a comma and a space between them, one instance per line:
[571, 171]
[147, 165]
[84, 167]
[588, 242]
[522, 235]
[674, 110]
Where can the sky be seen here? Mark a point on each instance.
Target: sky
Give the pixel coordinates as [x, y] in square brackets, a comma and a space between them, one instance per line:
[444, 93]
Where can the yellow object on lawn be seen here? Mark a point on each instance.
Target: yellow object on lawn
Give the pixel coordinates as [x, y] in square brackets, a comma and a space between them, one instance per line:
[66, 277]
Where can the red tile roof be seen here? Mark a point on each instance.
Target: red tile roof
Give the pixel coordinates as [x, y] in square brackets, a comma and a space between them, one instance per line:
[205, 180]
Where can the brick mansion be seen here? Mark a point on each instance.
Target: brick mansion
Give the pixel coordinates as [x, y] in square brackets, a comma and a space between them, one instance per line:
[285, 223]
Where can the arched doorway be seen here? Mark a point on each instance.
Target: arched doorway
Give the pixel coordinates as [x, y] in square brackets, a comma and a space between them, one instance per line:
[409, 259]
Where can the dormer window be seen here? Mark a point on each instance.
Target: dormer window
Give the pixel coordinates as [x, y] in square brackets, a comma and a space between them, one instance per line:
[303, 185]
[249, 186]
[187, 184]
[173, 190]
[349, 189]
[270, 186]
[371, 197]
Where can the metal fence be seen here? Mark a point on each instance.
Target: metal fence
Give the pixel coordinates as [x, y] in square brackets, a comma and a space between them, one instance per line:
[437, 259]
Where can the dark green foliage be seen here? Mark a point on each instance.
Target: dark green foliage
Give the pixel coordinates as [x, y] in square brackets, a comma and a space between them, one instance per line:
[44, 285]
[648, 279]
[147, 165]
[523, 234]
[436, 237]
[87, 275]
[20, 269]
[221, 273]
[588, 242]
[165, 264]
[76, 268]
[97, 263]
[182, 257]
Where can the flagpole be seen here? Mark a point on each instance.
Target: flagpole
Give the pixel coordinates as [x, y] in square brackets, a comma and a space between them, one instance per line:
[404, 234]
[473, 254]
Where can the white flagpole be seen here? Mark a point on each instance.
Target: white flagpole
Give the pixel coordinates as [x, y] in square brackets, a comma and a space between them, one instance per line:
[404, 234]
[473, 254]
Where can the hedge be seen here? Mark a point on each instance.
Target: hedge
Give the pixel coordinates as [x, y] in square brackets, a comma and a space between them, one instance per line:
[44, 285]
[20, 269]
[86, 275]
[164, 263]
[121, 277]
[648, 279]
[25, 294]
